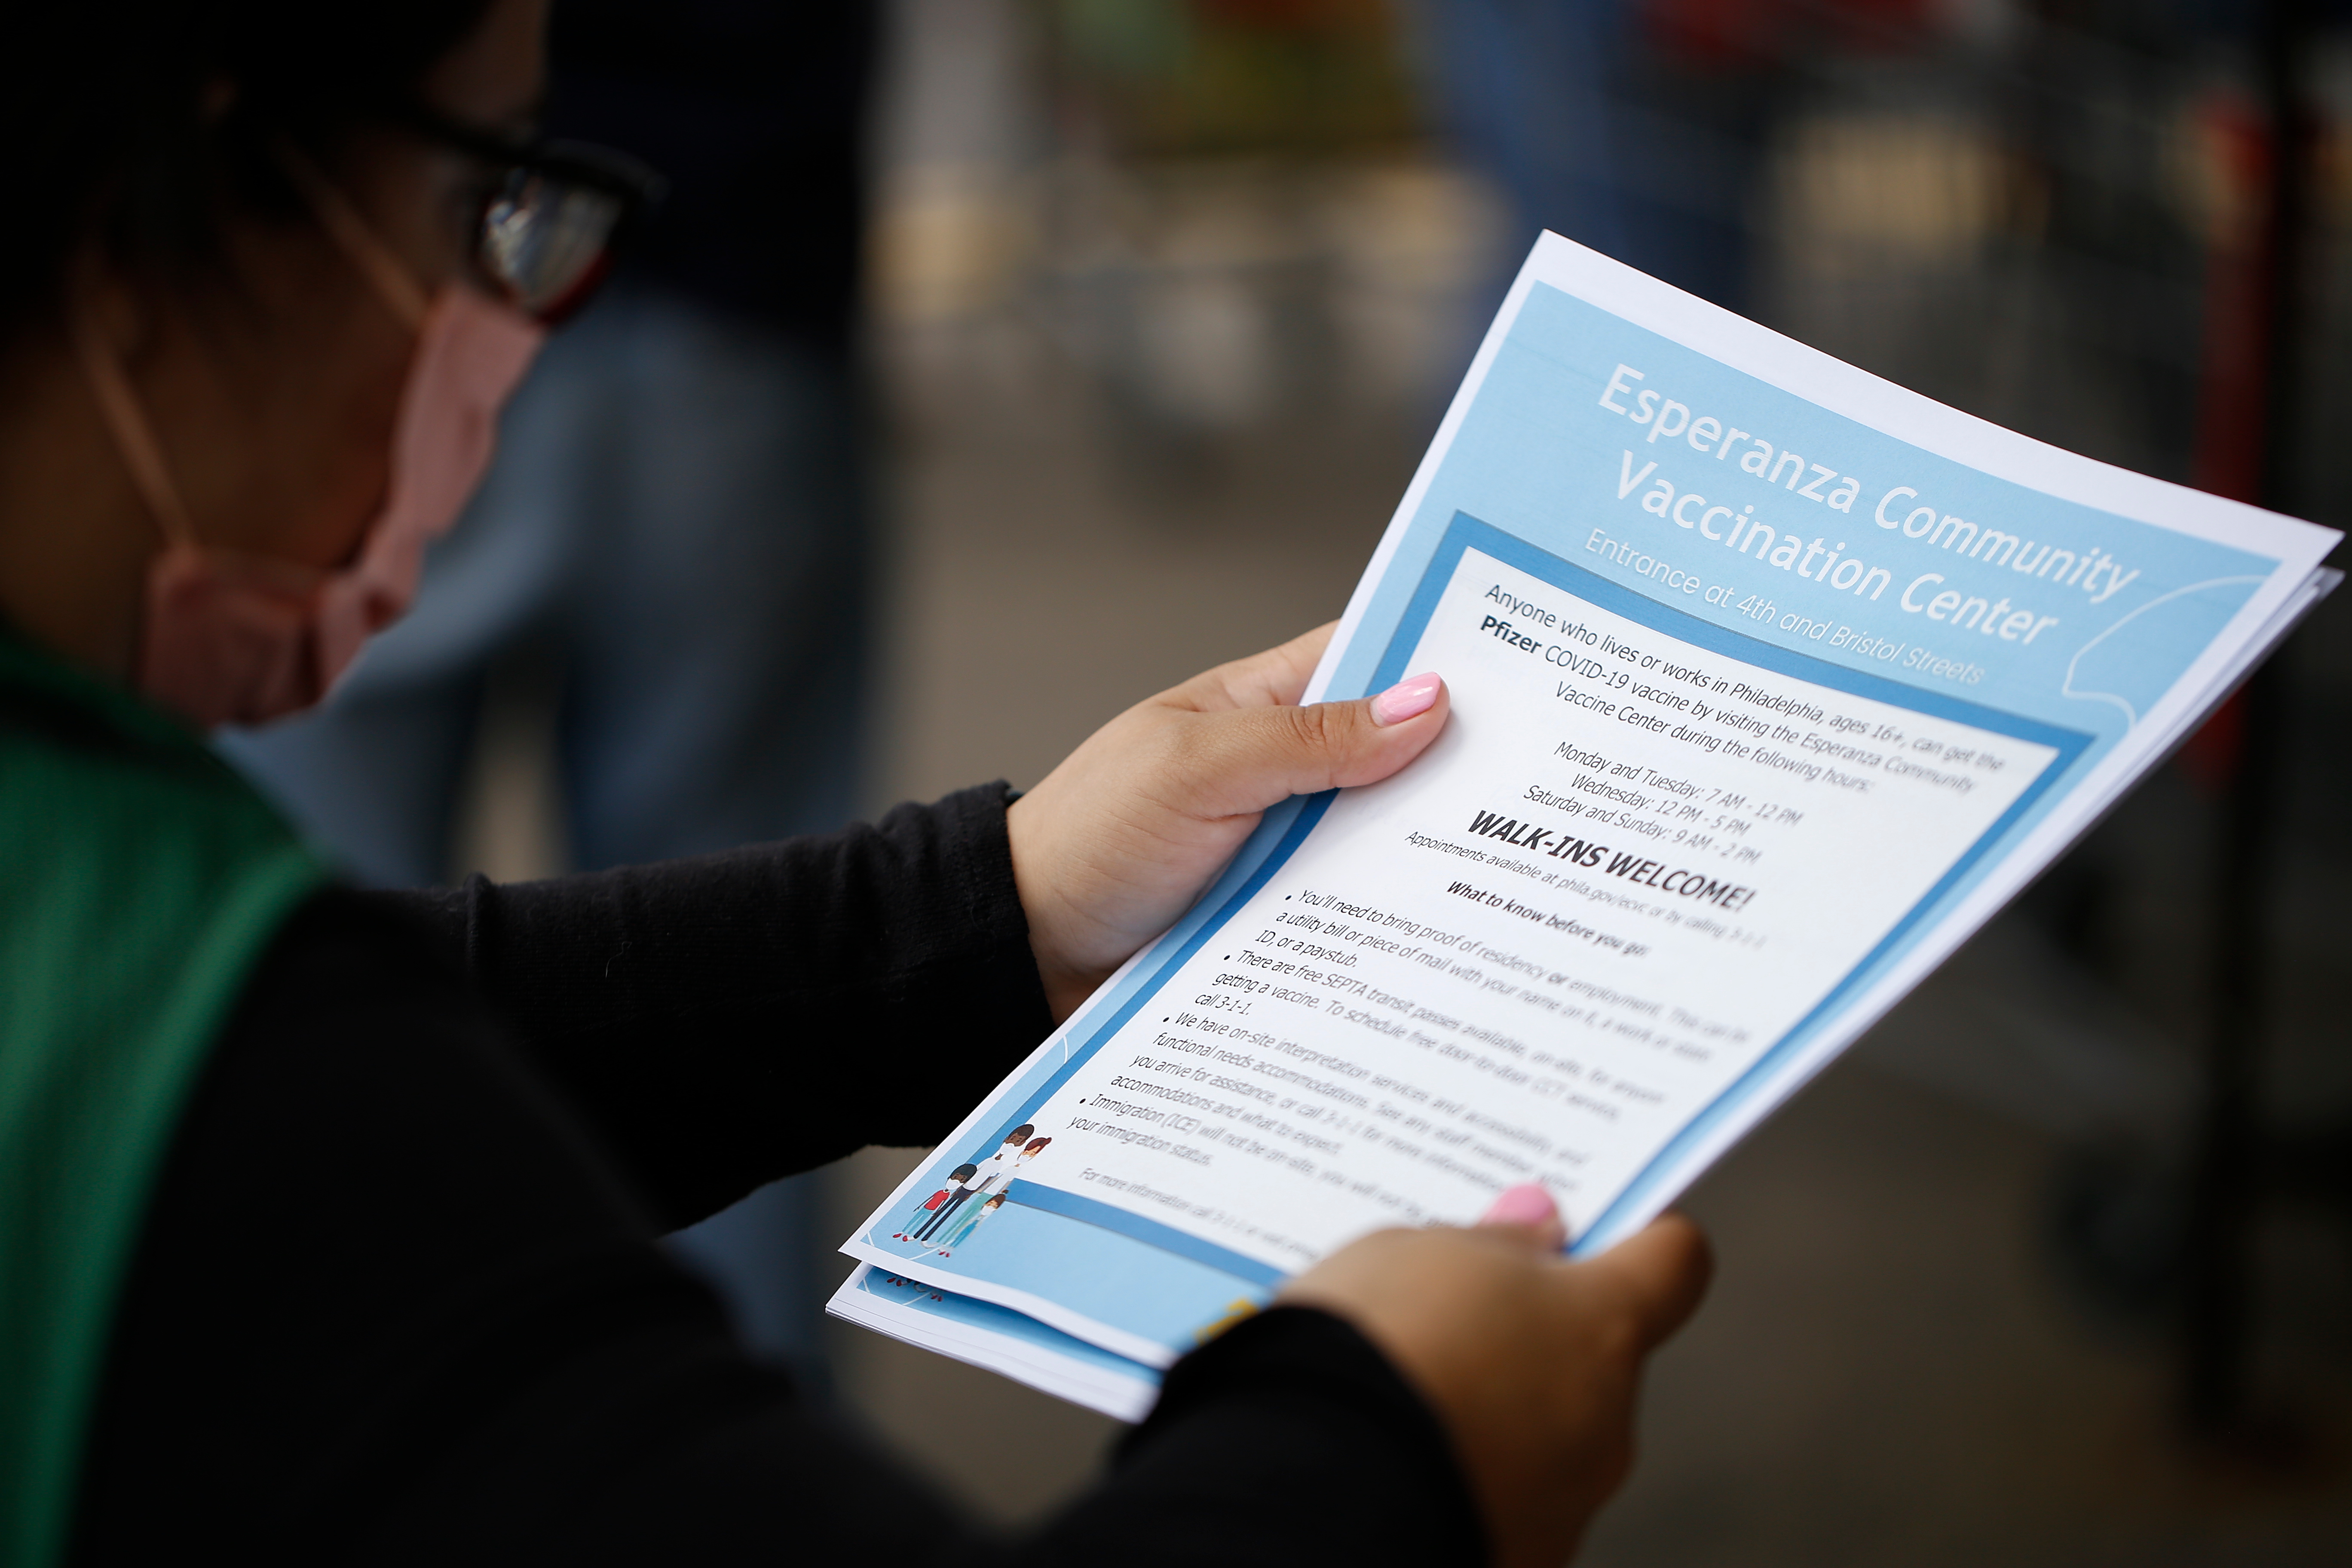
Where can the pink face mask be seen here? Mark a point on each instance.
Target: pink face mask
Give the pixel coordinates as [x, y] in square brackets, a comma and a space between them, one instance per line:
[232, 639]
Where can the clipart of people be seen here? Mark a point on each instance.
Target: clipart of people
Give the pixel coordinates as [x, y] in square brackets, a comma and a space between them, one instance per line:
[965, 1187]
[985, 1178]
[956, 1233]
[930, 1208]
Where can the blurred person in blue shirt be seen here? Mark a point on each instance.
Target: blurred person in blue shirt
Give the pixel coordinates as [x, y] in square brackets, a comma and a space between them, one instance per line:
[1635, 127]
[675, 524]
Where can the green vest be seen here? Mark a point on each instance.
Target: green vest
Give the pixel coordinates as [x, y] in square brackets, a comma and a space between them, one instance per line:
[139, 882]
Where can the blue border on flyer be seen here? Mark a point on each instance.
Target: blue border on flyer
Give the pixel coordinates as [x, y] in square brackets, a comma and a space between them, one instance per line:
[1466, 533]
[1166, 1238]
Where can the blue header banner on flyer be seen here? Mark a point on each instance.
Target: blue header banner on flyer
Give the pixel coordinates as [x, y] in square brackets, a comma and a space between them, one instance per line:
[1655, 466]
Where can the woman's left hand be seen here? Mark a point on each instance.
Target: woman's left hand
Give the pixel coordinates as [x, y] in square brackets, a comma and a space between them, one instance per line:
[1120, 839]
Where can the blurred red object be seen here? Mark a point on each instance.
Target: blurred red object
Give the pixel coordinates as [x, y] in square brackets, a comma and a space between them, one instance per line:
[1734, 33]
[2237, 154]
[2233, 382]
[2211, 755]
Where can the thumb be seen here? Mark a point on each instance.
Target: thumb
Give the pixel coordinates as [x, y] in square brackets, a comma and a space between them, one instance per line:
[1657, 1274]
[1258, 756]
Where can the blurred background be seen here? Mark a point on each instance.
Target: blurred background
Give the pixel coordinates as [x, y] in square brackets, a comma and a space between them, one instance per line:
[1160, 301]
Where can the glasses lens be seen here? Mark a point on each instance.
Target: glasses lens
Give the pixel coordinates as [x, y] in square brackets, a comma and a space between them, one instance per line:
[544, 237]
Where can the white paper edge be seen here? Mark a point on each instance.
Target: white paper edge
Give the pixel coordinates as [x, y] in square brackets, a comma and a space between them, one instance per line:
[1064, 1377]
[1051, 1313]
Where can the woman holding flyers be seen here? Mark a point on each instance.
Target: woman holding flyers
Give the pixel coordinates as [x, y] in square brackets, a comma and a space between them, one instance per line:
[330, 1215]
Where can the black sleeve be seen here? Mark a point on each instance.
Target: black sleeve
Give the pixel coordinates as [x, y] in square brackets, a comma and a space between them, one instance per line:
[392, 1304]
[729, 1019]
[1236, 1462]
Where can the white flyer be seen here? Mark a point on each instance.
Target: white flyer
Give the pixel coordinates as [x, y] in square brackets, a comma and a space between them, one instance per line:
[1771, 683]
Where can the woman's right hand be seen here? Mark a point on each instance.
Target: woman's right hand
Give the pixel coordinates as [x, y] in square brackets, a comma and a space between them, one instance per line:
[1532, 1360]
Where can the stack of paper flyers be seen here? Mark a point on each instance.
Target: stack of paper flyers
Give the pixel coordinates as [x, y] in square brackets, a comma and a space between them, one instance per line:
[1771, 683]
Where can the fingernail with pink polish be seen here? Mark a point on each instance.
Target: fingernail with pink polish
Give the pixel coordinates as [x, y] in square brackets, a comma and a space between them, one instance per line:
[1526, 1203]
[1408, 698]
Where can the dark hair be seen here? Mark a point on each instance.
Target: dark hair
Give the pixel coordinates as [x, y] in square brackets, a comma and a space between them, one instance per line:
[139, 123]
[962, 1172]
[1019, 1132]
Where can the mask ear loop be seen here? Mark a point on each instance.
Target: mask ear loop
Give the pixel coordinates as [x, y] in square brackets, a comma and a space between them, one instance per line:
[342, 220]
[135, 438]
[126, 421]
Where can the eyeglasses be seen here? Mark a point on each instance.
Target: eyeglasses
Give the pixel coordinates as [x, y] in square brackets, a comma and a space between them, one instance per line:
[547, 231]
